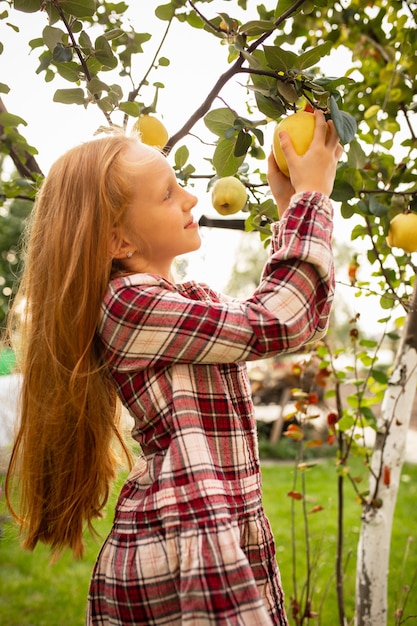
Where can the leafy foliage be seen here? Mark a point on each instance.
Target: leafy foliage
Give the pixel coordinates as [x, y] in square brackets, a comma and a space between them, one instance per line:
[277, 51]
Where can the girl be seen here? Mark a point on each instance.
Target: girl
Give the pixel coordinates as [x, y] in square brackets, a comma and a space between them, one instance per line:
[102, 317]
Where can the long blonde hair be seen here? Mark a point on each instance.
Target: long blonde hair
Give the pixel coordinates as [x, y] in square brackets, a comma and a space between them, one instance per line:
[63, 459]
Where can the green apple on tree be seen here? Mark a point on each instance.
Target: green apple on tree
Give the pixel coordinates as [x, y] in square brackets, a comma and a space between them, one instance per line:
[151, 131]
[402, 232]
[228, 195]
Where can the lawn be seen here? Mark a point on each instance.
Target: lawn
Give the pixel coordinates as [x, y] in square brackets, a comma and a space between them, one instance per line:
[33, 593]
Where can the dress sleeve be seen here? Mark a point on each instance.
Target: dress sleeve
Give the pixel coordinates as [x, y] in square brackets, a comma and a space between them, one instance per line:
[154, 326]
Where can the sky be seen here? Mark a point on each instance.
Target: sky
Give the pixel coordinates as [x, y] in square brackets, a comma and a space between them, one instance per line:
[195, 66]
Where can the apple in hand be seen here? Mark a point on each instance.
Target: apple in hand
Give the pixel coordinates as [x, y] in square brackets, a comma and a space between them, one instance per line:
[300, 127]
[228, 195]
[402, 232]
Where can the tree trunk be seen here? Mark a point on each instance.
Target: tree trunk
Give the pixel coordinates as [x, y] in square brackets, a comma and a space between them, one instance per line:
[386, 466]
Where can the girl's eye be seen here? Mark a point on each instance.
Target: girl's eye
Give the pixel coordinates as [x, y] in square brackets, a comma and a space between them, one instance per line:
[168, 194]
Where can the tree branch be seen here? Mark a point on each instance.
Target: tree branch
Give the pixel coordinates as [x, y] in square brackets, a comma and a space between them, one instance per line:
[224, 78]
[134, 93]
[26, 164]
[84, 65]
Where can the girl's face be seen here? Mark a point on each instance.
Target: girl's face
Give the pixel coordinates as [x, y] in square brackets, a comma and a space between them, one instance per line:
[158, 225]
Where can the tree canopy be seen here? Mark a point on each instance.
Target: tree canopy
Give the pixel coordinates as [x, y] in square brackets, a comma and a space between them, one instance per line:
[100, 58]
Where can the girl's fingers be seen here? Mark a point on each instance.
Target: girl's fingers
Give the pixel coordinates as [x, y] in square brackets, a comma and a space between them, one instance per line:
[332, 136]
[320, 131]
[333, 140]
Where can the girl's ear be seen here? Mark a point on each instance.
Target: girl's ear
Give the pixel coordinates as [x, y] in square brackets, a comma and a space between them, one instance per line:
[119, 247]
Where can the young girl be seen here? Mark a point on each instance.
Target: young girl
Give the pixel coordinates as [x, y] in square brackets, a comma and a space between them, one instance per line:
[100, 316]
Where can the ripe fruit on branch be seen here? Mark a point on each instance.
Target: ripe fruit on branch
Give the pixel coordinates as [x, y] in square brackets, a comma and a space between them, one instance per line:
[228, 195]
[151, 131]
[300, 127]
[402, 232]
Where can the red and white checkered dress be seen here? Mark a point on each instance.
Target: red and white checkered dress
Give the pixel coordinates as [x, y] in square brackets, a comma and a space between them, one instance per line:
[190, 543]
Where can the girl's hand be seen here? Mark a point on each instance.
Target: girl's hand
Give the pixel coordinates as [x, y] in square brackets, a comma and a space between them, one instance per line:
[280, 185]
[316, 169]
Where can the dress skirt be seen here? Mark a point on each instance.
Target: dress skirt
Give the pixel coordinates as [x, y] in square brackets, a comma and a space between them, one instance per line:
[197, 575]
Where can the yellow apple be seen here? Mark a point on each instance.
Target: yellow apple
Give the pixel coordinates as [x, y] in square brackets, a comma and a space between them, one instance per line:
[151, 131]
[228, 195]
[300, 127]
[402, 232]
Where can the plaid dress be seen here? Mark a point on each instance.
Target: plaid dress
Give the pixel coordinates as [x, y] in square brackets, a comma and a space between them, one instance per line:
[190, 544]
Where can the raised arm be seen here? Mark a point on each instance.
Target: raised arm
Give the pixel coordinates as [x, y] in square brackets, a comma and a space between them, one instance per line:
[154, 324]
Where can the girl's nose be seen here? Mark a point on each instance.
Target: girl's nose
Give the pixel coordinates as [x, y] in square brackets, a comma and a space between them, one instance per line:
[190, 201]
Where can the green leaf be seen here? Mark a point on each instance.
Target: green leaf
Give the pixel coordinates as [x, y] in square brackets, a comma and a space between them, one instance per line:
[243, 143]
[104, 53]
[130, 108]
[224, 160]
[386, 302]
[353, 177]
[288, 91]
[368, 343]
[95, 86]
[313, 56]
[280, 60]
[344, 123]
[94, 66]
[79, 8]
[27, 6]
[259, 136]
[70, 71]
[377, 208]
[106, 104]
[118, 91]
[8, 119]
[114, 33]
[181, 157]
[362, 207]
[4, 88]
[342, 191]
[36, 43]
[345, 423]
[251, 59]
[268, 208]
[256, 27]
[69, 96]
[369, 415]
[85, 41]
[372, 111]
[165, 12]
[219, 121]
[357, 232]
[194, 20]
[283, 6]
[379, 376]
[52, 36]
[269, 106]
[62, 54]
[356, 155]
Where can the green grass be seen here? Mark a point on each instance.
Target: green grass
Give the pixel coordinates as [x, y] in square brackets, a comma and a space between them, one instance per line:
[33, 593]
[321, 490]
